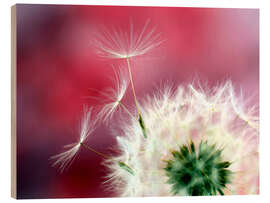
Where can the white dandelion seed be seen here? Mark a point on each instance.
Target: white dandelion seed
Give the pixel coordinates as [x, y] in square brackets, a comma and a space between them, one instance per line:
[125, 45]
[247, 115]
[121, 44]
[172, 120]
[87, 126]
[113, 96]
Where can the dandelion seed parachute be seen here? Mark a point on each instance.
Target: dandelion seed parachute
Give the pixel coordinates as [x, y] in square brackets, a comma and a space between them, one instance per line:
[87, 126]
[119, 44]
[113, 96]
[172, 120]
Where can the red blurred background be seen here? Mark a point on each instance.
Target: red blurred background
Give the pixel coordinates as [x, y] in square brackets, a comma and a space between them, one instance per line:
[57, 68]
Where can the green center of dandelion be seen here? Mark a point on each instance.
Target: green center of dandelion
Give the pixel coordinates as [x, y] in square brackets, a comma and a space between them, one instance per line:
[197, 173]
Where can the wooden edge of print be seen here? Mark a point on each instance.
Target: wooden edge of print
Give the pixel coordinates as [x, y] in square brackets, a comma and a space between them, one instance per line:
[13, 104]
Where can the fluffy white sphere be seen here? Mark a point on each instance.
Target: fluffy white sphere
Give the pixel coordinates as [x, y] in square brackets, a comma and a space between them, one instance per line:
[175, 117]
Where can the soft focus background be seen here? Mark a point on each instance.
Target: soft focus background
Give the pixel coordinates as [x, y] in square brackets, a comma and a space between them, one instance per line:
[58, 70]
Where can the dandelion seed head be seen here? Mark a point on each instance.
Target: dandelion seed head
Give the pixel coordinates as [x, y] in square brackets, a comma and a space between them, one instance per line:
[175, 117]
[65, 159]
[116, 43]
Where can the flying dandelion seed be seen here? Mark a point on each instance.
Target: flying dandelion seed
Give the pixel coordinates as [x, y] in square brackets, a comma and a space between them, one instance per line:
[114, 96]
[126, 45]
[65, 159]
[191, 148]
[117, 43]
[87, 126]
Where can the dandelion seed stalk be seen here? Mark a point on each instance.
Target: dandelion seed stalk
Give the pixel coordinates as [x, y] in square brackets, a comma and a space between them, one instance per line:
[140, 120]
[95, 151]
[120, 163]
[126, 110]
[132, 85]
